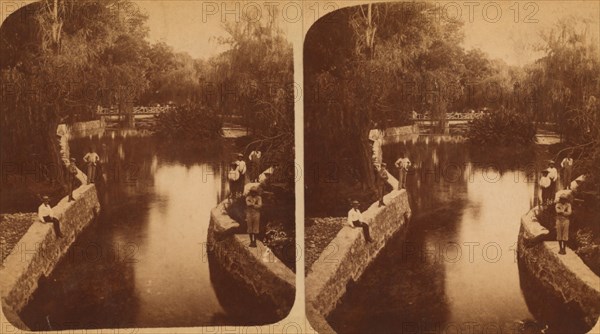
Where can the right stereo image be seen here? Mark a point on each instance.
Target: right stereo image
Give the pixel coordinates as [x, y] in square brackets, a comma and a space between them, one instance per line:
[451, 168]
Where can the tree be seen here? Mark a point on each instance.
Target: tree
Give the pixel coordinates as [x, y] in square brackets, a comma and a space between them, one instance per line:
[61, 59]
[567, 89]
[259, 68]
[366, 65]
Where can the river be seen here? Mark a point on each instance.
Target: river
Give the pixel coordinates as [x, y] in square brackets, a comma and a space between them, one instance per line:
[455, 270]
[143, 261]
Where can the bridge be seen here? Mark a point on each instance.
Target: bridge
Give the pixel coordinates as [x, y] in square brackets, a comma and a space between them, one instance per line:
[452, 117]
[137, 111]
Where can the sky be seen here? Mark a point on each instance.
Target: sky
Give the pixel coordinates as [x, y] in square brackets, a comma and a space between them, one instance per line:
[507, 34]
[192, 26]
[512, 36]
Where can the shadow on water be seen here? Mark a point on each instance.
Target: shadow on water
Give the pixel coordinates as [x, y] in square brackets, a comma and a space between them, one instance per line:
[410, 297]
[242, 308]
[549, 311]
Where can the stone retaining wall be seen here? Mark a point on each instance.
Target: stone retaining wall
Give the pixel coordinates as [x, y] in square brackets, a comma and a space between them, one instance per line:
[328, 277]
[258, 269]
[565, 276]
[38, 252]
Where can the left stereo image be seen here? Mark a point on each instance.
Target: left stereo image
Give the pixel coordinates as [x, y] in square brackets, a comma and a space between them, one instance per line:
[147, 153]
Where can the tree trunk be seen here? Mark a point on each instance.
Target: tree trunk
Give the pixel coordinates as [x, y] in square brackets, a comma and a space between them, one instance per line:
[55, 166]
[366, 162]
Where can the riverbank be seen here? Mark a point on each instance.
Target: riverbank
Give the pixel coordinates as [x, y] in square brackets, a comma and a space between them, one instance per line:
[257, 269]
[566, 277]
[39, 251]
[329, 276]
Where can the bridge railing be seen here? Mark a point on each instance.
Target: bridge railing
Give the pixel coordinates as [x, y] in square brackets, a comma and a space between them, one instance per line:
[140, 110]
[449, 116]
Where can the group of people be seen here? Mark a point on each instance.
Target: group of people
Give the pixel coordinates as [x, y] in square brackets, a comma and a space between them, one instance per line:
[549, 179]
[253, 201]
[562, 206]
[402, 164]
[237, 172]
[45, 212]
[355, 218]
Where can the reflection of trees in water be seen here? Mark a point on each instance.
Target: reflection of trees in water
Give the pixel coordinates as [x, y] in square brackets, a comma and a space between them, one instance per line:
[243, 309]
[547, 308]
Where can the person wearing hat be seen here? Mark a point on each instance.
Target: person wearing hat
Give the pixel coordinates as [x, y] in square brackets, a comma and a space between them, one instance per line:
[545, 187]
[72, 178]
[355, 219]
[46, 215]
[253, 205]
[563, 212]
[232, 177]
[553, 175]
[382, 178]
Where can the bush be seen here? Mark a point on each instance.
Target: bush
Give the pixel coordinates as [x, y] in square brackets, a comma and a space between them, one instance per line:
[189, 123]
[503, 127]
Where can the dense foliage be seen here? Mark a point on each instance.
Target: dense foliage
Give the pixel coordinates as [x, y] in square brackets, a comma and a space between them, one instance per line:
[188, 123]
[375, 64]
[61, 59]
[566, 91]
[502, 127]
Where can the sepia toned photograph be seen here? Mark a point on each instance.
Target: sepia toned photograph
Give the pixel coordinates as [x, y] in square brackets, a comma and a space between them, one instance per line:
[147, 162]
[451, 157]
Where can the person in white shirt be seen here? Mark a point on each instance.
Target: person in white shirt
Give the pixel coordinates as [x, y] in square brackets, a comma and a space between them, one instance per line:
[253, 206]
[553, 175]
[403, 163]
[92, 159]
[241, 168]
[545, 187]
[355, 219]
[46, 215]
[563, 212]
[233, 176]
[567, 167]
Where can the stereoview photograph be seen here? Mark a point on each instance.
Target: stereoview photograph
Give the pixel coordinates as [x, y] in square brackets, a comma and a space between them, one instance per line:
[147, 152]
[452, 154]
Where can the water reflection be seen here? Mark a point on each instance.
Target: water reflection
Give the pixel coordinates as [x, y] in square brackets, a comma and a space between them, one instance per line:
[457, 269]
[156, 210]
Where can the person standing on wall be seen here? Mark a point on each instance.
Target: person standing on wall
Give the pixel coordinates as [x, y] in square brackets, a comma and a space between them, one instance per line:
[563, 212]
[254, 158]
[241, 168]
[355, 219]
[72, 178]
[545, 187]
[232, 177]
[46, 215]
[253, 205]
[382, 180]
[567, 167]
[403, 163]
[91, 158]
[553, 175]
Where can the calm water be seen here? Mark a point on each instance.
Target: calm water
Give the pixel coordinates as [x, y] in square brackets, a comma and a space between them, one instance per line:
[456, 271]
[143, 262]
